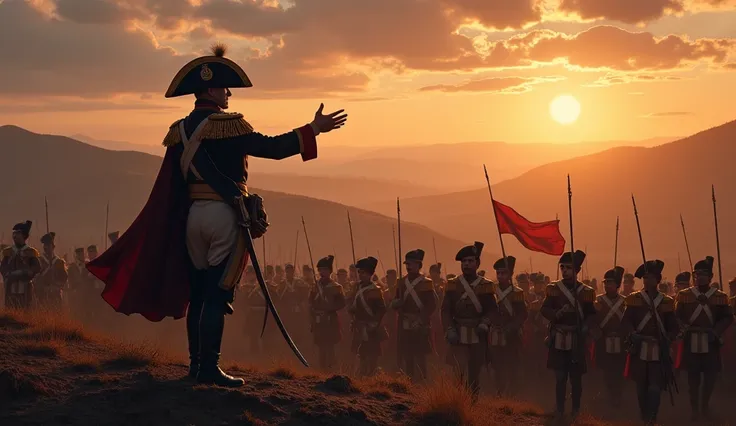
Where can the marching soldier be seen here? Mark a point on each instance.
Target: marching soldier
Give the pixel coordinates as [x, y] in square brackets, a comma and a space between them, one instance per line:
[391, 280]
[706, 315]
[609, 347]
[52, 279]
[467, 309]
[435, 274]
[255, 302]
[569, 307]
[19, 266]
[682, 281]
[342, 277]
[367, 309]
[415, 302]
[293, 292]
[325, 300]
[278, 277]
[650, 318]
[536, 328]
[78, 278]
[506, 326]
[522, 280]
[628, 285]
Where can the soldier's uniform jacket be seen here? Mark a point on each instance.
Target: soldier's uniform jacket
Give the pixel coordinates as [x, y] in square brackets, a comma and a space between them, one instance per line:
[638, 319]
[467, 305]
[293, 294]
[706, 316]
[325, 300]
[368, 308]
[53, 273]
[509, 318]
[78, 276]
[609, 313]
[419, 302]
[19, 266]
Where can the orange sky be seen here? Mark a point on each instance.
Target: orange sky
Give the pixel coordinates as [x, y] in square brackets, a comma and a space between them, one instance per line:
[408, 71]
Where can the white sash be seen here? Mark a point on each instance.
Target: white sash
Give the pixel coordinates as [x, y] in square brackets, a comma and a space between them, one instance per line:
[470, 292]
[702, 307]
[570, 297]
[255, 289]
[191, 145]
[363, 303]
[410, 290]
[502, 298]
[648, 316]
[613, 309]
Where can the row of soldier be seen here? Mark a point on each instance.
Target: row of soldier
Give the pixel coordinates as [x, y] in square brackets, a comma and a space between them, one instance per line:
[485, 324]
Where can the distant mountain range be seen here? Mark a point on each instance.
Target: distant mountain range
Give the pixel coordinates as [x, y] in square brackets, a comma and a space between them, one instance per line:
[120, 146]
[667, 180]
[80, 179]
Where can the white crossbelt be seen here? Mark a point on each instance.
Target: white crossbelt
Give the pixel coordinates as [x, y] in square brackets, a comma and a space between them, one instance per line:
[648, 316]
[613, 309]
[359, 296]
[410, 290]
[565, 291]
[702, 307]
[191, 145]
[470, 292]
[502, 299]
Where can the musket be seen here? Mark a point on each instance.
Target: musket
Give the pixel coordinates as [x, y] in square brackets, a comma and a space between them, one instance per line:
[309, 249]
[398, 227]
[615, 246]
[718, 241]
[352, 242]
[245, 217]
[578, 321]
[665, 362]
[434, 248]
[495, 218]
[396, 256]
[107, 221]
[687, 246]
[296, 250]
[46, 205]
[381, 262]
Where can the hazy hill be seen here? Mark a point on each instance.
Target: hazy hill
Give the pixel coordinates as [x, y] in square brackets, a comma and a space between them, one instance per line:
[667, 180]
[79, 179]
[119, 145]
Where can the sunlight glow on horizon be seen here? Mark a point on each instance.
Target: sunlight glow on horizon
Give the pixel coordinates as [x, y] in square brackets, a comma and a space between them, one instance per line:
[564, 109]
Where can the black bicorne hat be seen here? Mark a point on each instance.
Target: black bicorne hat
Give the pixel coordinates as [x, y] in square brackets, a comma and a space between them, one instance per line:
[436, 267]
[652, 267]
[705, 265]
[616, 274]
[414, 256]
[24, 228]
[683, 277]
[501, 264]
[48, 238]
[113, 236]
[208, 72]
[470, 251]
[567, 258]
[326, 262]
[367, 264]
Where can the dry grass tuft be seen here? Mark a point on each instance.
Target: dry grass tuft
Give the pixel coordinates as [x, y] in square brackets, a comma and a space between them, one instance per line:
[18, 384]
[283, 373]
[383, 382]
[13, 319]
[82, 363]
[134, 355]
[45, 349]
[444, 401]
[51, 325]
[286, 369]
[249, 419]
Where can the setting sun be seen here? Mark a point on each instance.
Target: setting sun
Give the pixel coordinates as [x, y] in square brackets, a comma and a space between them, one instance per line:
[564, 109]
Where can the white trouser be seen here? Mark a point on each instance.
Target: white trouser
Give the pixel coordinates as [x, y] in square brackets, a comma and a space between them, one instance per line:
[212, 232]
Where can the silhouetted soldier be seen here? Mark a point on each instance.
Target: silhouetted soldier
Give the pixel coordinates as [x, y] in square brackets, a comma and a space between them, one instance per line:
[19, 266]
[610, 353]
[568, 306]
[628, 285]
[52, 280]
[706, 315]
[367, 309]
[507, 327]
[682, 281]
[415, 301]
[255, 303]
[467, 309]
[325, 300]
[644, 361]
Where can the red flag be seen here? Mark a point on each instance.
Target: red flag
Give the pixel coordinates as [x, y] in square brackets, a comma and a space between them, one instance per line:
[544, 237]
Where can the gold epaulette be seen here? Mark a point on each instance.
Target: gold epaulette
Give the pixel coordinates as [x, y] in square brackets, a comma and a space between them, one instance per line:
[719, 298]
[484, 287]
[634, 299]
[173, 137]
[426, 285]
[7, 252]
[30, 252]
[587, 294]
[452, 285]
[552, 290]
[686, 296]
[517, 295]
[226, 125]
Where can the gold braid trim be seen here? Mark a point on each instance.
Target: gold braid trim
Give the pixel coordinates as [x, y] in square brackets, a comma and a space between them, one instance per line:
[226, 125]
[173, 137]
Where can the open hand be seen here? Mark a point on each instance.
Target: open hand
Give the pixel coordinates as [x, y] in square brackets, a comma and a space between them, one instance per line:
[329, 122]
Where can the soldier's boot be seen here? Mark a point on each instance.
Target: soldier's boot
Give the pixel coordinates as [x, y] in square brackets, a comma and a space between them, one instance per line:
[560, 392]
[654, 397]
[709, 383]
[194, 313]
[211, 326]
[576, 383]
[693, 384]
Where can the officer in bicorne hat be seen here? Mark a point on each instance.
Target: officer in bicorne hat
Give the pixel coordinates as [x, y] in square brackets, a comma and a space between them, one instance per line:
[644, 360]
[610, 351]
[325, 300]
[367, 308]
[569, 307]
[19, 265]
[199, 204]
[706, 315]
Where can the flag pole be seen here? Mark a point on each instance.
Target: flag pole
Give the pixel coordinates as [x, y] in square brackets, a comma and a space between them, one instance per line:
[718, 240]
[495, 218]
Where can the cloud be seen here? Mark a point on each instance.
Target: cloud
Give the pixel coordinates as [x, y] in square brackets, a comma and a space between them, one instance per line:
[668, 114]
[730, 66]
[612, 79]
[627, 11]
[497, 85]
[52, 105]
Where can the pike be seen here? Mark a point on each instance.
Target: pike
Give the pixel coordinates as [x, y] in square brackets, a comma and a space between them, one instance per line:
[615, 246]
[718, 241]
[396, 256]
[399, 318]
[434, 247]
[687, 246]
[309, 249]
[381, 262]
[246, 225]
[398, 227]
[665, 362]
[578, 323]
[296, 250]
[46, 205]
[352, 241]
[107, 221]
[495, 218]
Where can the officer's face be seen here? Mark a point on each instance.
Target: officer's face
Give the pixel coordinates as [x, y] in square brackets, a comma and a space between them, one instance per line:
[365, 276]
[503, 276]
[610, 286]
[324, 273]
[651, 281]
[703, 278]
[220, 96]
[413, 267]
[470, 265]
[567, 272]
[18, 237]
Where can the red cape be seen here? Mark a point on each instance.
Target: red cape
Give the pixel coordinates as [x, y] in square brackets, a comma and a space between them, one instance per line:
[147, 270]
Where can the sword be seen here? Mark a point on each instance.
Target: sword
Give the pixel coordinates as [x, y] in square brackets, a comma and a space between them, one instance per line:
[262, 283]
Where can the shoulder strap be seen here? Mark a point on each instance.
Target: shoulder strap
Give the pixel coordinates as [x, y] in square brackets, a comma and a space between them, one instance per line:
[470, 292]
[191, 145]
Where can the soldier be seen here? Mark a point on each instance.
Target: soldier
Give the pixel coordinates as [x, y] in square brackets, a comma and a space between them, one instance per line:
[610, 354]
[391, 280]
[536, 328]
[628, 285]
[467, 309]
[278, 277]
[293, 292]
[77, 283]
[569, 307]
[325, 300]
[506, 326]
[19, 265]
[650, 339]
[435, 274]
[342, 277]
[415, 302]
[308, 275]
[204, 192]
[113, 236]
[522, 280]
[706, 315]
[367, 309]
[255, 304]
[51, 281]
[682, 281]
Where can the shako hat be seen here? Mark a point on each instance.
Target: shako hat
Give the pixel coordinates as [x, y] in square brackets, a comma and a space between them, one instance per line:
[48, 238]
[208, 72]
[501, 264]
[652, 267]
[577, 259]
[436, 267]
[705, 265]
[24, 228]
[616, 274]
[470, 251]
[367, 264]
[413, 256]
[683, 277]
[326, 262]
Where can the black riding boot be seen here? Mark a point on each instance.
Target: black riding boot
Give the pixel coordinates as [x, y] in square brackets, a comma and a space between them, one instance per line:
[211, 326]
[194, 313]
